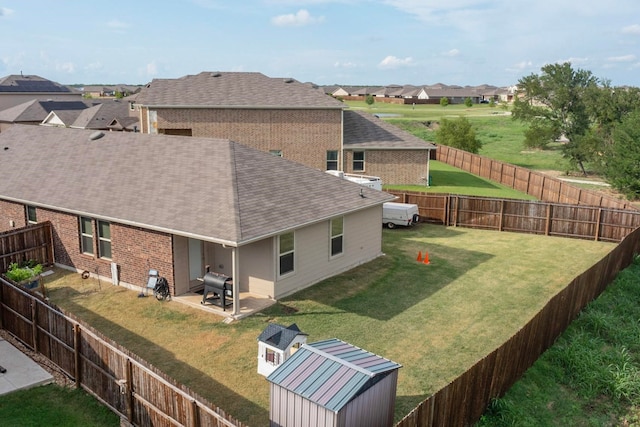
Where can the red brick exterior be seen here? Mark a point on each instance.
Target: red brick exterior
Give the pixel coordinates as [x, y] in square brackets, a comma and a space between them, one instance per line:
[133, 249]
[303, 136]
[393, 166]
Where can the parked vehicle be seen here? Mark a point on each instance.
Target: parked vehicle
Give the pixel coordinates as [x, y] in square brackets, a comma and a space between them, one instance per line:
[366, 180]
[403, 214]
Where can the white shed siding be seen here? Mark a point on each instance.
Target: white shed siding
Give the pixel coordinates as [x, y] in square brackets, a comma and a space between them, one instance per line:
[362, 243]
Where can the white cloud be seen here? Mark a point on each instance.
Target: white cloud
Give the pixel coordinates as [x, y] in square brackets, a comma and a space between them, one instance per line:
[391, 62]
[5, 12]
[152, 68]
[521, 66]
[623, 58]
[117, 24]
[632, 29]
[298, 19]
[93, 66]
[452, 53]
[339, 64]
[67, 67]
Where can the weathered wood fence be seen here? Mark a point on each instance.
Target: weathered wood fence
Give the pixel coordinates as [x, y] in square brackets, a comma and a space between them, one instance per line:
[464, 400]
[126, 384]
[26, 243]
[536, 184]
[524, 216]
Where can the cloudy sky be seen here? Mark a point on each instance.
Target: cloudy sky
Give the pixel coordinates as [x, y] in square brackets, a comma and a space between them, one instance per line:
[347, 42]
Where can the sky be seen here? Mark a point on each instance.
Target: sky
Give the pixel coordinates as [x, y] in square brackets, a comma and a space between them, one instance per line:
[326, 42]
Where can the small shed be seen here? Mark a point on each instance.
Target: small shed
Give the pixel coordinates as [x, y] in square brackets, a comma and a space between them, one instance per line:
[276, 344]
[334, 384]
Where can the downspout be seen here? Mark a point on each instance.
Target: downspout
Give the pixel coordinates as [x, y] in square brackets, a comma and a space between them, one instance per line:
[341, 165]
[428, 167]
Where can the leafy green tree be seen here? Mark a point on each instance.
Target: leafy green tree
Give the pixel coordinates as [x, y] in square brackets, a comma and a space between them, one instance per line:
[553, 102]
[492, 103]
[468, 102]
[370, 100]
[444, 101]
[458, 133]
[623, 158]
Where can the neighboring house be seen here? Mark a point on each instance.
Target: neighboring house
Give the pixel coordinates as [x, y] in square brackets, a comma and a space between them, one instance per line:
[333, 384]
[35, 111]
[125, 202]
[276, 344]
[376, 148]
[283, 117]
[111, 114]
[18, 89]
[61, 118]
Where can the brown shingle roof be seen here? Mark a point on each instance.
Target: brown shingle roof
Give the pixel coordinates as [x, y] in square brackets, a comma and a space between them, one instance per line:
[211, 189]
[366, 131]
[234, 89]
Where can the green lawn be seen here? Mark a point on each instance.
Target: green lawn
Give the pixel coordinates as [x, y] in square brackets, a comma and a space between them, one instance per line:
[436, 320]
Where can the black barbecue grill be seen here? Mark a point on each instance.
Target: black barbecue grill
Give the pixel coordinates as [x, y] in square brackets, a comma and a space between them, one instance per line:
[220, 286]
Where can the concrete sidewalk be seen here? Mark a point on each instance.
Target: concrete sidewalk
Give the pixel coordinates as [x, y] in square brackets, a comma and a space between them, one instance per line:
[21, 371]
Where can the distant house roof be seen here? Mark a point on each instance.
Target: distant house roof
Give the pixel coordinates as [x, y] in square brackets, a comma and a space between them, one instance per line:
[279, 336]
[37, 111]
[234, 90]
[61, 118]
[124, 123]
[366, 131]
[30, 84]
[208, 189]
[102, 114]
[331, 373]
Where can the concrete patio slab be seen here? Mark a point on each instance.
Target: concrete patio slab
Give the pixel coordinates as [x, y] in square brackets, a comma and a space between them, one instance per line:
[21, 371]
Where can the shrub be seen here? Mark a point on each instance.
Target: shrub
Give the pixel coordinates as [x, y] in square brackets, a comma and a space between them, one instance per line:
[19, 273]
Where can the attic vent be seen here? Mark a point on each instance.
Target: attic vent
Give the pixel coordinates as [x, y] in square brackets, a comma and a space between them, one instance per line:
[289, 80]
[96, 135]
[216, 74]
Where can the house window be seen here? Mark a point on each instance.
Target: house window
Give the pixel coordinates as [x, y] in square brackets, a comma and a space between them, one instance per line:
[358, 161]
[31, 215]
[277, 153]
[337, 232]
[104, 239]
[86, 235]
[332, 160]
[272, 357]
[285, 253]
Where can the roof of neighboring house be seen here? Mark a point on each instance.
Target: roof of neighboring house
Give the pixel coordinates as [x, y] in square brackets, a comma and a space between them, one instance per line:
[36, 110]
[61, 118]
[279, 336]
[101, 115]
[122, 123]
[234, 89]
[366, 131]
[30, 84]
[208, 189]
[331, 373]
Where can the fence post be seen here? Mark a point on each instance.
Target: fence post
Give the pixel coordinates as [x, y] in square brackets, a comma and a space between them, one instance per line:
[501, 215]
[598, 224]
[76, 353]
[34, 323]
[547, 228]
[195, 415]
[129, 390]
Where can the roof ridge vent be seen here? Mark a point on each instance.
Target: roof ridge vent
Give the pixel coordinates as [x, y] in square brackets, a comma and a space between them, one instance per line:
[216, 74]
[289, 80]
[96, 135]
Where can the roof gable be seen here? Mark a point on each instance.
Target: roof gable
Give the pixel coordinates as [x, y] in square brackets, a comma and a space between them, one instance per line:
[30, 84]
[211, 189]
[279, 336]
[366, 131]
[234, 89]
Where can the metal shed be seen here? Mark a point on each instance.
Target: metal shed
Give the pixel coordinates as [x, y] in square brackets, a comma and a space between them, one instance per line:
[335, 384]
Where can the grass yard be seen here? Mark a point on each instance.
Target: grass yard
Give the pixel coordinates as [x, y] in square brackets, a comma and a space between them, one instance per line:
[52, 405]
[436, 320]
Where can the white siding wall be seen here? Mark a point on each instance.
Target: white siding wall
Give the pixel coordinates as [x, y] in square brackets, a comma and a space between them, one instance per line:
[362, 243]
[257, 268]
[181, 264]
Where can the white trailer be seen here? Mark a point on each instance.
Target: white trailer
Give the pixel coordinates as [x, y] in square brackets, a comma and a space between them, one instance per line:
[366, 180]
[404, 214]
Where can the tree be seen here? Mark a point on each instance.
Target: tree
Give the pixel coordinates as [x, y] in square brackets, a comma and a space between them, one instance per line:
[458, 133]
[444, 101]
[623, 158]
[370, 100]
[468, 102]
[553, 103]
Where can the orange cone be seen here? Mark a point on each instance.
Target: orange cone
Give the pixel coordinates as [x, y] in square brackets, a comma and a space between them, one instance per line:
[419, 259]
[426, 258]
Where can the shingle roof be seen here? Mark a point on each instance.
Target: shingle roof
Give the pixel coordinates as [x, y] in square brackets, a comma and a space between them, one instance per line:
[210, 189]
[37, 111]
[279, 336]
[366, 131]
[331, 373]
[234, 89]
[101, 115]
[31, 84]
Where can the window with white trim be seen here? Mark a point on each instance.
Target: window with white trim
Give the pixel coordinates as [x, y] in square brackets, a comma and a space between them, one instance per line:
[86, 235]
[104, 239]
[358, 161]
[286, 248]
[31, 215]
[337, 233]
[272, 357]
[332, 160]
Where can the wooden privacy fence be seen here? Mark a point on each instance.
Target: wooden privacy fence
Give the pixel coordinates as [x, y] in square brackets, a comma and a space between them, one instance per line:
[523, 216]
[536, 184]
[27, 243]
[128, 385]
[464, 400]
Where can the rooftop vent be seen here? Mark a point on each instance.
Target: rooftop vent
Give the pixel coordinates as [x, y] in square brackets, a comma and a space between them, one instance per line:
[289, 80]
[96, 135]
[216, 74]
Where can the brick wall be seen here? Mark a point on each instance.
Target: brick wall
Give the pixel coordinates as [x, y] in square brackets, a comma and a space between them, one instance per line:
[134, 249]
[392, 166]
[303, 136]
